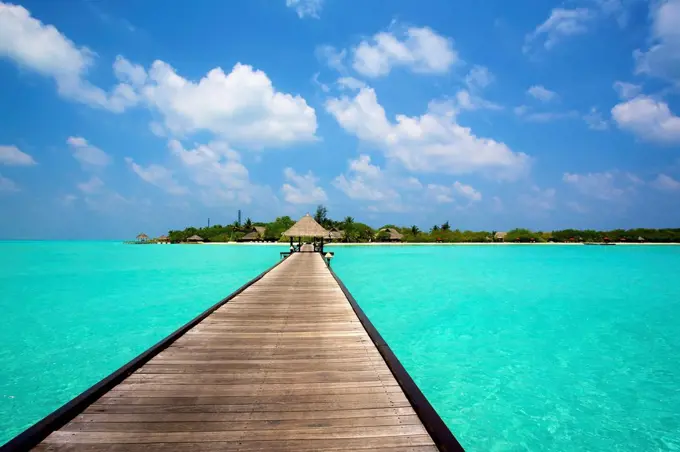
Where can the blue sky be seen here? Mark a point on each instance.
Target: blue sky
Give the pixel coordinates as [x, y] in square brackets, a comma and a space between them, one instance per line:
[120, 117]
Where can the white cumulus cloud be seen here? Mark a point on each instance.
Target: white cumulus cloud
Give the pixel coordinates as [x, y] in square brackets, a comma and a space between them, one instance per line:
[41, 48]
[241, 106]
[13, 156]
[433, 142]
[157, 175]
[662, 59]
[421, 50]
[302, 188]
[648, 118]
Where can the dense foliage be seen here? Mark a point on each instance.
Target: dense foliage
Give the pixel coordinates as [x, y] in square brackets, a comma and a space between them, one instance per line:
[360, 232]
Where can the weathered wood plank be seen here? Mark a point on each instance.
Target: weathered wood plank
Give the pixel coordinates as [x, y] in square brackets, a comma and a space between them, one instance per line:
[107, 416]
[64, 436]
[248, 424]
[414, 443]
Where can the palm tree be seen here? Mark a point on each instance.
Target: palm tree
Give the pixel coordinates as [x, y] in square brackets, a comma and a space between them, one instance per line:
[446, 226]
[236, 225]
[348, 226]
[435, 228]
[414, 230]
[321, 215]
[248, 225]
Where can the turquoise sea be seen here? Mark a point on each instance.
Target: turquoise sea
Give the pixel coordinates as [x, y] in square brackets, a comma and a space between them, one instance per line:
[533, 348]
[538, 348]
[73, 312]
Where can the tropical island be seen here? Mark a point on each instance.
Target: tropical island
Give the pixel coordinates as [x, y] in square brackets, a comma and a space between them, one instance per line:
[348, 230]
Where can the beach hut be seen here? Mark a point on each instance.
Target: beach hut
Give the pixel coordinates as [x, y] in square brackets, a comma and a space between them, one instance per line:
[500, 236]
[641, 239]
[255, 235]
[142, 238]
[195, 239]
[306, 227]
[394, 235]
[335, 235]
[163, 239]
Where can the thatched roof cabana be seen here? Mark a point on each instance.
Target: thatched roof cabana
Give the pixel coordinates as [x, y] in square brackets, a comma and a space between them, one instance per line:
[306, 227]
[336, 234]
[260, 230]
[395, 236]
[195, 238]
[251, 237]
[142, 237]
[641, 239]
[500, 236]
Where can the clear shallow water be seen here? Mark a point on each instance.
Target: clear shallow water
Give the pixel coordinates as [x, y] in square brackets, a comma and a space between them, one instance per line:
[543, 348]
[73, 312]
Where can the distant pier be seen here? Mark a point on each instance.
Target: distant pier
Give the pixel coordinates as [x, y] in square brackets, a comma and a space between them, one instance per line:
[288, 362]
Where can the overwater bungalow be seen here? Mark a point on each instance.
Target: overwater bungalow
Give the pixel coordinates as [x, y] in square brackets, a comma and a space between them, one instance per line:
[393, 235]
[500, 236]
[195, 239]
[164, 239]
[142, 238]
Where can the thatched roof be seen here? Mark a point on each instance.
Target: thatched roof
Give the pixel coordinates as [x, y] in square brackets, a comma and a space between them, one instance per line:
[195, 238]
[260, 230]
[163, 238]
[641, 239]
[394, 234]
[142, 236]
[250, 237]
[500, 235]
[306, 227]
[336, 234]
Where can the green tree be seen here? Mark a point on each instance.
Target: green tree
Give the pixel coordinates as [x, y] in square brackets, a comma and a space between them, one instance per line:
[415, 230]
[248, 225]
[277, 227]
[348, 227]
[435, 228]
[446, 227]
[321, 214]
[383, 236]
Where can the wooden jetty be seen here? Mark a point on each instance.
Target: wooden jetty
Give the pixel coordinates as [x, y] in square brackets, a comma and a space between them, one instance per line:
[288, 362]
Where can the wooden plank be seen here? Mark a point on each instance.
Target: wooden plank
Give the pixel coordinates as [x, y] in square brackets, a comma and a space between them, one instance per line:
[189, 407]
[64, 436]
[415, 443]
[243, 416]
[246, 424]
[285, 365]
